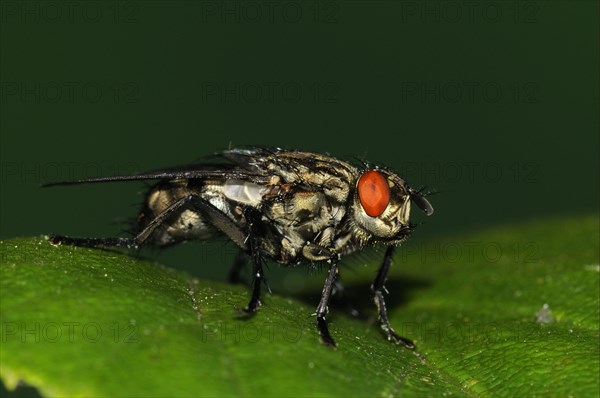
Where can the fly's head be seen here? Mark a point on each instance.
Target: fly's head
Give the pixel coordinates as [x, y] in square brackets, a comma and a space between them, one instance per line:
[382, 203]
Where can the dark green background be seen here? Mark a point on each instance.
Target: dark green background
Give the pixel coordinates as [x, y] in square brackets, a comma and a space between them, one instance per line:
[493, 103]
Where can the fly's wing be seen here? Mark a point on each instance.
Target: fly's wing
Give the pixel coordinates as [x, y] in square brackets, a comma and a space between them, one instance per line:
[305, 168]
[257, 165]
[194, 171]
[254, 159]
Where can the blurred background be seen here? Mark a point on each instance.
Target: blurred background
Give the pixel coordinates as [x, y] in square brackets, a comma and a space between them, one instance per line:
[494, 104]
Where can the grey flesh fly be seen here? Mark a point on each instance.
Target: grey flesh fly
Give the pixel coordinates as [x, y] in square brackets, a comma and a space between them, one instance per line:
[289, 206]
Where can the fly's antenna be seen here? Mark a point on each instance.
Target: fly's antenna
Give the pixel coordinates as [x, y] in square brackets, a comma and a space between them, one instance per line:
[418, 198]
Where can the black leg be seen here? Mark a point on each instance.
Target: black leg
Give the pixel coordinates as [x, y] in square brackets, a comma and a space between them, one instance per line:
[323, 304]
[378, 288]
[257, 279]
[92, 242]
[239, 263]
[258, 276]
[138, 240]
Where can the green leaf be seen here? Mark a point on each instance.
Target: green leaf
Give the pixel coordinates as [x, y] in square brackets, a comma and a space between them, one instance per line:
[509, 312]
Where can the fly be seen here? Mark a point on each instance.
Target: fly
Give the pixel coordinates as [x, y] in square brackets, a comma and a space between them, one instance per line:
[292, 207]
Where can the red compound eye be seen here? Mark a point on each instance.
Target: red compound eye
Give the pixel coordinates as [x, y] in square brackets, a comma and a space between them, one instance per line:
[374, 192]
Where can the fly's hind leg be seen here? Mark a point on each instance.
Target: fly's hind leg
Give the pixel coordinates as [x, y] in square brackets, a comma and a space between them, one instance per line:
[92, 242]
[138, 240]
[378, 288]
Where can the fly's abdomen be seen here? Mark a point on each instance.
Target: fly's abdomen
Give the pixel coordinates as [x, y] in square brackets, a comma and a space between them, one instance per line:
[185, 224]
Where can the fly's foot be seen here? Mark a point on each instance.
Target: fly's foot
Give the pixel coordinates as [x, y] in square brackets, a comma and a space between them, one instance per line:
[245, 313]
[56, 240]
[324, 332]
[249, 310]
[252, 307]
[397, 339]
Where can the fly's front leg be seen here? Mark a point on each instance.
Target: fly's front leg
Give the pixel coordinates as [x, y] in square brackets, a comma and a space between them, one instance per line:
[378, 288]
[322, 308]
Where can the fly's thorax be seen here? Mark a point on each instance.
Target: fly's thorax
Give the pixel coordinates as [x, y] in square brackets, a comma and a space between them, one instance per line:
[332, 176]
[300, 218]
[381, 206]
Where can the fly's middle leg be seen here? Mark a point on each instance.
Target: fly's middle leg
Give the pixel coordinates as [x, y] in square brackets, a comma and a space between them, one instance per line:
[258, 275]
